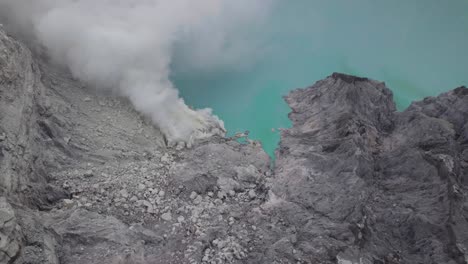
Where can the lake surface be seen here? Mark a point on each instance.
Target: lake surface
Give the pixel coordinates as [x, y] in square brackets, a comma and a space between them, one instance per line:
[418, 47]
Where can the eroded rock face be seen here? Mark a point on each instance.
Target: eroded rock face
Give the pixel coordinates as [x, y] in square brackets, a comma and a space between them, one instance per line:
[18, 95]
[371, 184]
[86, 179]
[9, 233]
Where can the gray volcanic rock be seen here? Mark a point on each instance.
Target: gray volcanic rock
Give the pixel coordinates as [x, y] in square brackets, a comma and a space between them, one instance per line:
[372, 185]
[9, 235]
[86, 179]
[220, 164]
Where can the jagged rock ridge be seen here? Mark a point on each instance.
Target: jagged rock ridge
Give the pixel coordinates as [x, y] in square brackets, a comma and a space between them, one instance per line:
[85, 179]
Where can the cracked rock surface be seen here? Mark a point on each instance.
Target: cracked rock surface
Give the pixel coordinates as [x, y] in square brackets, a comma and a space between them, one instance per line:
[85, 179]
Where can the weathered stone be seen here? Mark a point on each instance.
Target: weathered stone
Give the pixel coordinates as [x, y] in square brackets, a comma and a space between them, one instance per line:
[68, 203]
[166, 217]
[198, 199]
[88, 174]
[124, 193]
[9, 235]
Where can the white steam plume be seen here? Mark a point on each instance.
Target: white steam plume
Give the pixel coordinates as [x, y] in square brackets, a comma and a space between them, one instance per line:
[127, 46]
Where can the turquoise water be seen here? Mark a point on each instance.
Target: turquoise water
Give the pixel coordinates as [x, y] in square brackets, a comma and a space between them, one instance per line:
[418, 47]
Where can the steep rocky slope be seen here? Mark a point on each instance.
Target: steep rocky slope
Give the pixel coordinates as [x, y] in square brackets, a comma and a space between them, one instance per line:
[86, 179]
[372, 185]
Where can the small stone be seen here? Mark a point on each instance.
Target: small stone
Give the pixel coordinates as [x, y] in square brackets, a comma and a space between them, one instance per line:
[2, 137]
[252, 194]
[161, 193]
[180, 146]
[146, 203]
[218, 202]
[464, 155]
[133, 199]
[157, 200]
[124, 193]
[193, 195]
[198, 200]
[180, 219]
[165, 158]
[66, 185]
[87, 99]
[68, 203]
[88, 174]
[150, 210]
[141, 186]
[221, 244]
[232, 193]
[221, 195]
[210, 194]
[166, 217]
[254, 228]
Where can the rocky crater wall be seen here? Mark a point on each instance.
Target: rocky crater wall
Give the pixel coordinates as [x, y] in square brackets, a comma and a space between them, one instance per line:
[86, 179]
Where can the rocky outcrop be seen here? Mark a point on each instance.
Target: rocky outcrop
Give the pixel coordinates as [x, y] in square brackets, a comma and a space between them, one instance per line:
[368, 184]
[86, 179]
[9, 235]
[19, 101]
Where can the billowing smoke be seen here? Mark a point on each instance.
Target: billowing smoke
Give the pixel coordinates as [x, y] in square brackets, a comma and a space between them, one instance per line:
[128, 45]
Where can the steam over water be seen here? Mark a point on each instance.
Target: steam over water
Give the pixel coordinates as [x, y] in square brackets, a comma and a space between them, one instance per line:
[128, 47]
[418, 47]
